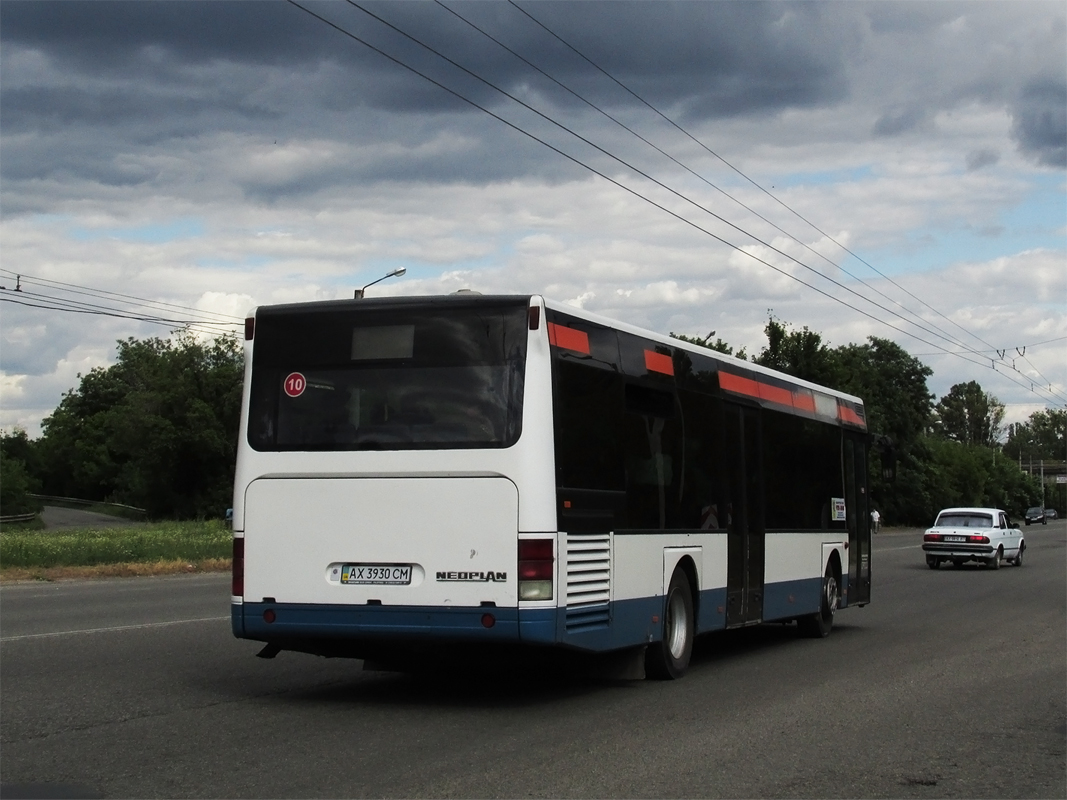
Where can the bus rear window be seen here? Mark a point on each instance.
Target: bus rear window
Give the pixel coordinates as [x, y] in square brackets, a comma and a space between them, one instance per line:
[388, 378]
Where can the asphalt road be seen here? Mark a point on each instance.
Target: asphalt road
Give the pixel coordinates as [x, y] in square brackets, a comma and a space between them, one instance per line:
[950, 684]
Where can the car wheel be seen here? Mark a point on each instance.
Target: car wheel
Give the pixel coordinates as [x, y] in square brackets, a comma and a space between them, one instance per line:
[819, 624]
[957, 563]
[668, 658]
[1019, 556]
[933, 563]
[994, 562]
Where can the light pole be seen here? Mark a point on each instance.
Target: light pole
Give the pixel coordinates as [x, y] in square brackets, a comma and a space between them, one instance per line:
[396, 273]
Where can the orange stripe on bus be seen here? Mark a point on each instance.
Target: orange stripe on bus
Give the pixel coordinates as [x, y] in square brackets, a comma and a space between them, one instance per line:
[738, 385]
[657, 362]
[568, 338]
[774, 394]
[850, 416]
[803, 401]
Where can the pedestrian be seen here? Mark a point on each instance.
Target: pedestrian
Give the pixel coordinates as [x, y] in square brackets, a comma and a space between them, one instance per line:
[876, 518]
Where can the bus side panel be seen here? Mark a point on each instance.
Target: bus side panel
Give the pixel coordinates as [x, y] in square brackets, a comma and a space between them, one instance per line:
[638, 588]
[794, 573]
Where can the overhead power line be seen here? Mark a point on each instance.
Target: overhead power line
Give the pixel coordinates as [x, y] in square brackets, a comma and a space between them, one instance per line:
[140, 309]
[344, 31]
[711, 152]
[74, 288]
[673, 191]
[693, 172]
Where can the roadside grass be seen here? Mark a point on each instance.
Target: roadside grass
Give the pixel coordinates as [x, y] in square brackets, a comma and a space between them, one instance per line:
[35, 524]
[158, 548]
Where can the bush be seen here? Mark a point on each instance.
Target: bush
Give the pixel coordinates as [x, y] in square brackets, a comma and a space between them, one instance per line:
[15, 487]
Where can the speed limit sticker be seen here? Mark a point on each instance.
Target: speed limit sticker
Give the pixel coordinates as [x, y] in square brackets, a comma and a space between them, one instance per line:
[295, 384]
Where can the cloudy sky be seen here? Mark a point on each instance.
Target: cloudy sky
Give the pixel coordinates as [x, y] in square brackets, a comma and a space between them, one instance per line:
[862, 169]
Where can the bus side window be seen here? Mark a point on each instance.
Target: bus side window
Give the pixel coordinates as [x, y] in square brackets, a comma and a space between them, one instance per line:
[802, 471]
[701, 499]
[588, 410]
[653, 449]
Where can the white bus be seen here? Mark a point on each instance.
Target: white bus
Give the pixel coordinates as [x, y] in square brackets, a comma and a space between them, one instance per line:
[511, 470]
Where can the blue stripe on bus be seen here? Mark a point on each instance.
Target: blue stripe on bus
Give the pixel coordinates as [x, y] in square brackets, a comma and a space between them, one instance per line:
[624, 624]
[791, 598]
[237, 620]
[313, 620]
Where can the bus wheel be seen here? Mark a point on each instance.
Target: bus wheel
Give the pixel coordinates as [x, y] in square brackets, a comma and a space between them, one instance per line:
[668, 658]
[818, 625]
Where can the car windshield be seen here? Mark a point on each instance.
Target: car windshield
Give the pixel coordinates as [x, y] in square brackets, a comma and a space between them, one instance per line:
[964, 520]
[1034, 510]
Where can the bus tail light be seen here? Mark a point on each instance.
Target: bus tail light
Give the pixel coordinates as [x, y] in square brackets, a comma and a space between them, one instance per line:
[237, 588]
[536, 569]
[250, 328]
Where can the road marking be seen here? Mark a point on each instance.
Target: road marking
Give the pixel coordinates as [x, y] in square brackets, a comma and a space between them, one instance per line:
[889, 549]
[107, 630]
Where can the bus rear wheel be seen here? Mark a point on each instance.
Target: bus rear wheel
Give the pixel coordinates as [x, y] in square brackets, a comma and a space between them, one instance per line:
[819, 624]
[668, 659]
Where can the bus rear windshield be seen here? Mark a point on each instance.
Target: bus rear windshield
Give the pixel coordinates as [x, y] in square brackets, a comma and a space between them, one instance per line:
[388, 378]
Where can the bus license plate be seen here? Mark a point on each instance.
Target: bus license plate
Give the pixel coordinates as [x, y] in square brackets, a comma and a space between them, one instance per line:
[955, 538]
[376, 574]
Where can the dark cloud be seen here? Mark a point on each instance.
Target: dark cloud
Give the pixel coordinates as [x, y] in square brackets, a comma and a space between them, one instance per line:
[721, 59]
[1039, 122]
[122, 81]
[982, 158]
[102, 35]
[122, 78]
[899, 120]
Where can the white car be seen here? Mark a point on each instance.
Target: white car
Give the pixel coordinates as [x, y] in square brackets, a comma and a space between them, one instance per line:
[973, 534]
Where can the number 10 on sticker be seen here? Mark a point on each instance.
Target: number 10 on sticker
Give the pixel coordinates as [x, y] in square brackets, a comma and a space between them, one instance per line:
[295, 384]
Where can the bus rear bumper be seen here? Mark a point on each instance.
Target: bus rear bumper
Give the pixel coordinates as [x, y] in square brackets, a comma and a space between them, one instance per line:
[271, 622]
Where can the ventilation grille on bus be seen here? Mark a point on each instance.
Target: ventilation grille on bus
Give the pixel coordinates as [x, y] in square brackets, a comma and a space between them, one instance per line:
[588, 581]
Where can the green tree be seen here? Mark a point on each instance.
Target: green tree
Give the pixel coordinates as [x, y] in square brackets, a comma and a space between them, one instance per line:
[158, 429]
[1042, 436]
[801, 354]
[969, 415]
[958, 474]
[16, 485]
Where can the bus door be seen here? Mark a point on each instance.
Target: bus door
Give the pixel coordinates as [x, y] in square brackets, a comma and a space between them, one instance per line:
[743, 470]
[858, 516]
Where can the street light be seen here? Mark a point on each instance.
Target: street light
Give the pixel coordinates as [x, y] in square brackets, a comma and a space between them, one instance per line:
[396, 273]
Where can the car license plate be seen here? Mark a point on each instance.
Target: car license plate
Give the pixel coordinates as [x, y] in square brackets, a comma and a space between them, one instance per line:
[955, 538]
[376, 574]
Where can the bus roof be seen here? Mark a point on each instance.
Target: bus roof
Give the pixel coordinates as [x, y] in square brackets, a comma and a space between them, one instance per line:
[694, 348]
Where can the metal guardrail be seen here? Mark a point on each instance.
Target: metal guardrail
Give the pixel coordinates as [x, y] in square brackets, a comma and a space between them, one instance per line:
[80, 502]
[19, 517]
